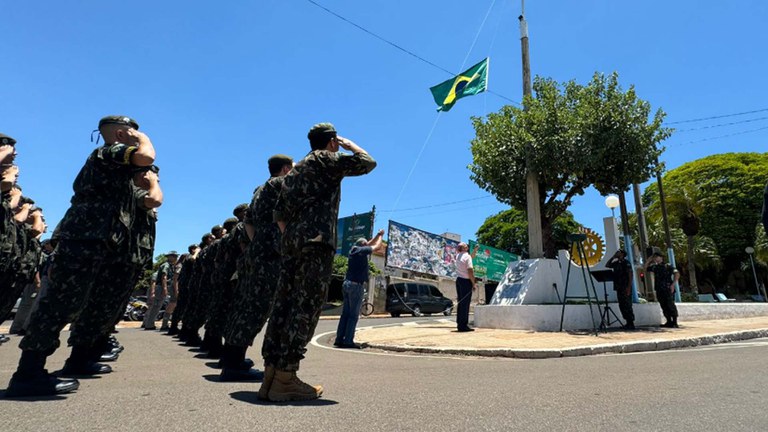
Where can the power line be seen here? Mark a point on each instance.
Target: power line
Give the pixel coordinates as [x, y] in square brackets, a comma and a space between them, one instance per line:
[723, 124]
[436, 205]
[717, 117]
[398, 47]
[725, 136]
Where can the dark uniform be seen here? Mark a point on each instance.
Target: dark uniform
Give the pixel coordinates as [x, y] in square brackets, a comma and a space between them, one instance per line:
[225, 265]
[184, 277]
[93, 241]
[23, 284]
[309, 205]
[622, 284]
[259, 269]
[663, 280]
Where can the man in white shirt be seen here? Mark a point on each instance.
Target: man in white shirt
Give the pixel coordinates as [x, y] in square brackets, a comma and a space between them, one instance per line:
[465, 284]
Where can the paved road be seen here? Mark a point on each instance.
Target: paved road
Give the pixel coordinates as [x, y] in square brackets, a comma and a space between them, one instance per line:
[720, 388]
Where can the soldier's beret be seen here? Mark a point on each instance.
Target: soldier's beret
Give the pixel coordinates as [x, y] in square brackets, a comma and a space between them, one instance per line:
[216, 228]
[6, 140]
[321, 130]
[230, 223]
[121, 120]
[173, 253]
[239, 208]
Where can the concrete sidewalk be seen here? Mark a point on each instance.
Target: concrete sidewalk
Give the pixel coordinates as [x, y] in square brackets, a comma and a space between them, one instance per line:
[440, 337]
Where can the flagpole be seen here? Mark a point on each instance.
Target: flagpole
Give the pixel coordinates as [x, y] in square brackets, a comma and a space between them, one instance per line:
[535, 238]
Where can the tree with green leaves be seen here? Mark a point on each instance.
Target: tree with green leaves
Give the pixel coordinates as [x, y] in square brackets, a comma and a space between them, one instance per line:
[573, 136]
[729, 191]
[508, 230]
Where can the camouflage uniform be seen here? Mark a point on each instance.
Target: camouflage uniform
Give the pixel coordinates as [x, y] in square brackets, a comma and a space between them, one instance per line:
[196, 317]
[258, 269]
[226, 260]
[184, 279]
[93, 242]
[12, 286]
[309, 205]
[165, 271]
[25, 278]
[8, 248]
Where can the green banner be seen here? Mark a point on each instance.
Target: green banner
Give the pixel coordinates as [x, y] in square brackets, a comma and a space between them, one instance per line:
[490, 263]
[351, 228]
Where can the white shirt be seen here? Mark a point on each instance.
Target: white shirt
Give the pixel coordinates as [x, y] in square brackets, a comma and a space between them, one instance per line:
[463, 263]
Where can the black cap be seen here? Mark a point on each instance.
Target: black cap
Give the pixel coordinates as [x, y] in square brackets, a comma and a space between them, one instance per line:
[120, 120]
[6, 140]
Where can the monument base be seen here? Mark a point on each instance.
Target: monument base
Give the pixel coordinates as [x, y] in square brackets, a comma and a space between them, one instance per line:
[547, 317]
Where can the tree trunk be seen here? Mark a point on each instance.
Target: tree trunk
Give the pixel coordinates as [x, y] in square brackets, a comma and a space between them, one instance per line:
[550, 248]
[692, 266]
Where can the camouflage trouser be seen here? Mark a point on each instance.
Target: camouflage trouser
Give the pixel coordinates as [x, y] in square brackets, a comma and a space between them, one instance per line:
[181, 305]
[253, 298]
[25, 308]
[304, 279]
[197, 311]
[107, 296]
[220, 306]
[80, 266]
[9, 293]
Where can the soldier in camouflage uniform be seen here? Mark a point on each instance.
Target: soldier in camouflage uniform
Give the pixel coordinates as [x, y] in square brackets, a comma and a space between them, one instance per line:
[258, 271]
[27, 279]
[163, 287]
[225, 263]
[14, 260]
[183, 284]
[93, 240]
[173, 293]
[307, 212]
[201, 287]
[8, 203]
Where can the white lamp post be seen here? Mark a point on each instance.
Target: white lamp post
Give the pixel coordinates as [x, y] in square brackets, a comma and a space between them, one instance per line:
[612, 201]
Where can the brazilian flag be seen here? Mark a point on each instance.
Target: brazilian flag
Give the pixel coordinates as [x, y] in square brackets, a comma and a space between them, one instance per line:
[471, 82]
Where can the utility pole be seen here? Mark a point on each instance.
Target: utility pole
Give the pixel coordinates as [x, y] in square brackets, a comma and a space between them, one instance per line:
[667, 233]
[535, 239]
[643, 233]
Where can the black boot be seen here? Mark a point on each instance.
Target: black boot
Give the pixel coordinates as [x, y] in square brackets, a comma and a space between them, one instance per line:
[31, 379]
[674, 322]
[234, 367]
[80, 363]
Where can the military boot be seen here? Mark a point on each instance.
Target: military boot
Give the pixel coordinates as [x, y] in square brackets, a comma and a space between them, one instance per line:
[286, 386]
[269, 376]
[80, 362]
[31, 379]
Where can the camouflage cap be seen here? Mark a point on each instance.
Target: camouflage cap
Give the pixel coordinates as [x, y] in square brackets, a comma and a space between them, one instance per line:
[321, 132]
[230, 223]
[172, 253]
[6, 140]
[240, 208]
[120, 120]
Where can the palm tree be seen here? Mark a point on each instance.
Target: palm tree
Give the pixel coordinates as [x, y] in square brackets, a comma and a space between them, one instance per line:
[684, 209]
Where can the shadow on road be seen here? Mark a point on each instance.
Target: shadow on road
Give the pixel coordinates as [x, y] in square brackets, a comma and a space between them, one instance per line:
[251, 397]
[32, 398]
[213, 365]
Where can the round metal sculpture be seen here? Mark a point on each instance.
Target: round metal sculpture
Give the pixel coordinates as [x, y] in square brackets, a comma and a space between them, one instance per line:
[594, 248]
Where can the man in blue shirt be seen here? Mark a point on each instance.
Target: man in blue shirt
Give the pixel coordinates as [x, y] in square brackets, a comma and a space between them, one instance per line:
[357, 276]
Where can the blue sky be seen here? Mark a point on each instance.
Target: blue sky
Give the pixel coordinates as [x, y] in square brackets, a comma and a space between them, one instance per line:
[219, 87]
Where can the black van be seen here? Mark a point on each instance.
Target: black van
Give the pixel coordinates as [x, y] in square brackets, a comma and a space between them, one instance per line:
[416, 298]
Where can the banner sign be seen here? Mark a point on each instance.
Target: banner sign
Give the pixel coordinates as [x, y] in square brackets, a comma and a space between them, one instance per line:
[412, 249]
[490, 263]
[351, 228]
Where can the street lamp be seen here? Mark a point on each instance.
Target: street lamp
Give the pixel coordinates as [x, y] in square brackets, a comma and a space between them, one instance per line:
[612, 201]
[750, 251]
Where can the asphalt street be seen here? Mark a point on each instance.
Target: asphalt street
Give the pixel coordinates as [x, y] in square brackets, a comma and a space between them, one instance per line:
[159, 385]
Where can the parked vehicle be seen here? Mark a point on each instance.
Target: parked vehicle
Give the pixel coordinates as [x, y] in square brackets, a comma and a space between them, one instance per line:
[416, 298]
[137, 307]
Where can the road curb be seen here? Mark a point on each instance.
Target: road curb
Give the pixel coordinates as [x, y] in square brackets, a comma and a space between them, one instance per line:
[618, 348]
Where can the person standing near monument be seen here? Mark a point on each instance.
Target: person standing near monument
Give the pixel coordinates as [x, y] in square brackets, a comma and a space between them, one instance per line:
[353, 288]
[306, 211]
[465, 285]
[664, 278]
[622, 284]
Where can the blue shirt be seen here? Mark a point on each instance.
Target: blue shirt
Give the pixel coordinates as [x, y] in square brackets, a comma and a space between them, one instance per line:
[357, 268]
